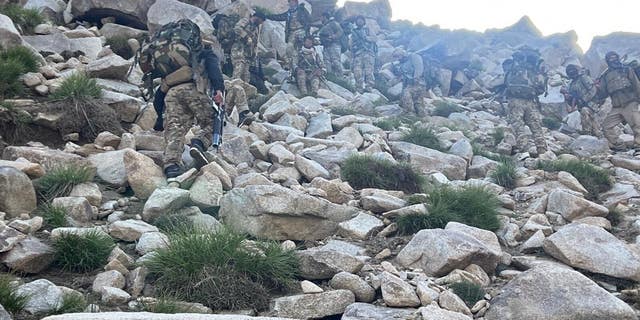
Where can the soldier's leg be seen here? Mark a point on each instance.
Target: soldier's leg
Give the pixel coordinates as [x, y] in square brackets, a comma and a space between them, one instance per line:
[326, 58]
[202, 109]
[334, 60]
[315, 85]
[419, 93]
[239, 98]
[516, 119]
[631, 115]
[369, 62]
[609, 127]
[238, 61]
[406, 100]
[534, 121]
[177, 122]
[589, 124]
[358, 73]
[301, 79]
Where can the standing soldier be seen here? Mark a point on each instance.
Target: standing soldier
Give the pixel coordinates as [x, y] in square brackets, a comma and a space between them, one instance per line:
[363, 50]
[524, 81]
[296, 28]
[581, 95]
[621, 83]
[243, 51]
[414, 89]
[310, 68]
[331, 34]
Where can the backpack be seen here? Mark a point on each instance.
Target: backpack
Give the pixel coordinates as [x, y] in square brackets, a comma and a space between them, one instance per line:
[175, 45]
[224, 25]
[524, 79]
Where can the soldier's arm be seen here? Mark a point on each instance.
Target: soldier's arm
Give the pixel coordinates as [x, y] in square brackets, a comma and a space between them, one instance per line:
[370, 36]
[338, 30]
[212, 66]
[240, 28]
[635, 81]
[418, 66]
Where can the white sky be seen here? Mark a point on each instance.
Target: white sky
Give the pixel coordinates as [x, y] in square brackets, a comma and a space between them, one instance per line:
[588, 18]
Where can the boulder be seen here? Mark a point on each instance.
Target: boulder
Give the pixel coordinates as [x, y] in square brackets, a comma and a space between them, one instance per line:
[151, 241]
[361, 227]
[130, 230]
[594, 249]
[379, 202]
[324, 263]
[310, 169]
[450, 301]
[108, 279]
[486, 237]
[110, 67]
[48, 158]
[9, 237]
[556, 293]
[17, 194]
[320, 126]
[111, 30]
[275, 212]
[365, 311]
[58, 43]
[143, 175]
[89, 191]
[236, 150]
[9, 35]
[433, 312]
[427, 160]
[44, 296]
[206, 190]
[114, 296]
[165, 11]
[397, 293]
[29, 256]
[439, 252]
[79, 211]
[154, 316]
[313, 306]
[278, 153]
[110, 167]
[337, 191]
[276, 110]
[33, 170]
[588, 146]
[127, 108]
[463, 149]
[360, 288]
[129, 12]
[573, 207]
[163, 201]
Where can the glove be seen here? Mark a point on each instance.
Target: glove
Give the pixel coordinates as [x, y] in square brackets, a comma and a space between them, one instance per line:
[218, 97]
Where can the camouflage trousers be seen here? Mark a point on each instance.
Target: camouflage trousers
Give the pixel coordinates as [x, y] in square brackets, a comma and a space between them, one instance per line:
[294, 43]
[412, 99]
[332, 60]
[185, 106]
[241, 60]
[628, 114]
[235, 97]
[589, 123]
[307, 76]
[523, 113]
[363, 70]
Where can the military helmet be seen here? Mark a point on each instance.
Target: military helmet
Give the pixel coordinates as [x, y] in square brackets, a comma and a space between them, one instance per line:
[572, 71]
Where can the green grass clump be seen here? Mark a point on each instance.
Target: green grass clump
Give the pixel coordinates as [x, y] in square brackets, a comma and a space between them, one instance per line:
[505, 174]
[388, 124]
[82, 252]
[171, 222]
[551, 123]
[59, 182]
[12, 301]
[78, 87]
[497, 135]
[341, 81]
[469, 292]
[15, 62]
[363, 171]
[472, 205]
[343, 111]
[120, 46]
[54, 216]
[423, 136]
[24, 19]
[221, 270]
[72, 302]
[595, 180]
[445, 108]
[165, 305]
[417, 199]
[615, 216]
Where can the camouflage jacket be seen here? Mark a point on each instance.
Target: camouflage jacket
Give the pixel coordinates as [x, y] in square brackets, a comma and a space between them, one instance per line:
[583, 91]
[309, 60]
[362, 40]
[246, 34]
[621, 84]
[330, 33]
[296, 18]
[411, 69]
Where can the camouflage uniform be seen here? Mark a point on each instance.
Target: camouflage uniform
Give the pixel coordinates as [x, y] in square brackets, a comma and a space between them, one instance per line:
[363, 51]
[310, 69]
[184, 103]
[413, 86]
[623, 86]
[296, 28]
[243, 51]
[330, 35]
[583, 91]
[235, 97]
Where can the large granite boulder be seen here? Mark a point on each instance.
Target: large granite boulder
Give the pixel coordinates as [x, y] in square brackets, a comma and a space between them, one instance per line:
[427, 160]
[17, 194]
[165, 11]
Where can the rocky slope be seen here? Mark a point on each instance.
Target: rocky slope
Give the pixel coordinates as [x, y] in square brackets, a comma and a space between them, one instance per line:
[559, 253]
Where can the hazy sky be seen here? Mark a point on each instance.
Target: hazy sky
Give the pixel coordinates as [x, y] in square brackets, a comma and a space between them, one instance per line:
[588, 18]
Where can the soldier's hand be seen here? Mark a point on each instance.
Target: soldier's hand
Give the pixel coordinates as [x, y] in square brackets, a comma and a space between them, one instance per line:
[218, 97]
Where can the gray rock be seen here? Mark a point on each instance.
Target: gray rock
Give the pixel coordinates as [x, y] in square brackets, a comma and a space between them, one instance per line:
[534, 243]
[310, 169]
[365, 311]
[324, 264]
[251, 179]
[279, 153]
[17, 194]
[311, 306]
[165, 11]
[450, 301]
[438, 252]
[153, 316]
[127, 108]
[626, 162]
[134, 11]
[320, 126]
[111, 30]
[143, 175]
[350, 135]
[164, 200]
[360, 288]
[433, 312]
[276, 110]
[43, 294]
[150, 141]
[488, 238]
[89, 191]
[571, 182]
[114, 296]
[463, 149]
[206, 190]
[48, 158]
[276, 132]
[379, 202]
[397, 293]
[572, 207]
[110, 167]
[619, 193]
[151, 241]
[588, 146]
[427, 160]
[120, 87]
[594, 249]
[215, 169]
[361, 227]
[236, 150]
[33, 170]
[574, 297]
[4, 315]
[130, 230]
[9, 35]
[62, 45]
[9, 237]
[344, 247]
[29, 256]
[294, 121]
[275, 212]
[108, 279]
[109, 67]
[79, 211]
[135, 281]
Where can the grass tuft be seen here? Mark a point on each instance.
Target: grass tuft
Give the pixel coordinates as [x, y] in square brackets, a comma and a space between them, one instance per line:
[221, 270]
[595, 180]
[60, 181]
[165, 305]
[341, 81]
[9, 298]
[445, 108]
[78, 86]
[469, 292]
[615, 216]
[551, 123]
[423, 136]
[15, 62]
[169, 223]
[505, 174]
[497, 135]
[72, 302]
[388, 124]
[54, 216]
[472, 205]
[343, 111]
[82, 252]
[120, 46]
[24, 19]
[364, 171]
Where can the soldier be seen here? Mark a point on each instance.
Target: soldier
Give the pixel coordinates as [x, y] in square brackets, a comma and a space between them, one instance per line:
[414, 91]
[297, 27]
[310, 68]
[524, 81]
[237, 97]
[621, 84]
[581, 94]
[331, 34]
[363, 50]
[243, 51]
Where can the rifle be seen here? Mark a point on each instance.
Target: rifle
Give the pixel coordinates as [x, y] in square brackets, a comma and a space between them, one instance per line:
[218, 123]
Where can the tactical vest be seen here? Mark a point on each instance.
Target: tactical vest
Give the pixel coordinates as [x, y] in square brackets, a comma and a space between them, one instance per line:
[523, 83]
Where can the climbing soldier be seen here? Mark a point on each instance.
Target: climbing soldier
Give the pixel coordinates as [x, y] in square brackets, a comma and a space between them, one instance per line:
[297, 27]
[243, 50]
[581, 94]
[363, 50]
[414, 90]
[331, 34]
[310, 68]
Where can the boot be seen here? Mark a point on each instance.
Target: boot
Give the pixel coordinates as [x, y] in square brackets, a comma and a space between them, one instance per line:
[197, 153]
[245, 117]
[173, 171]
